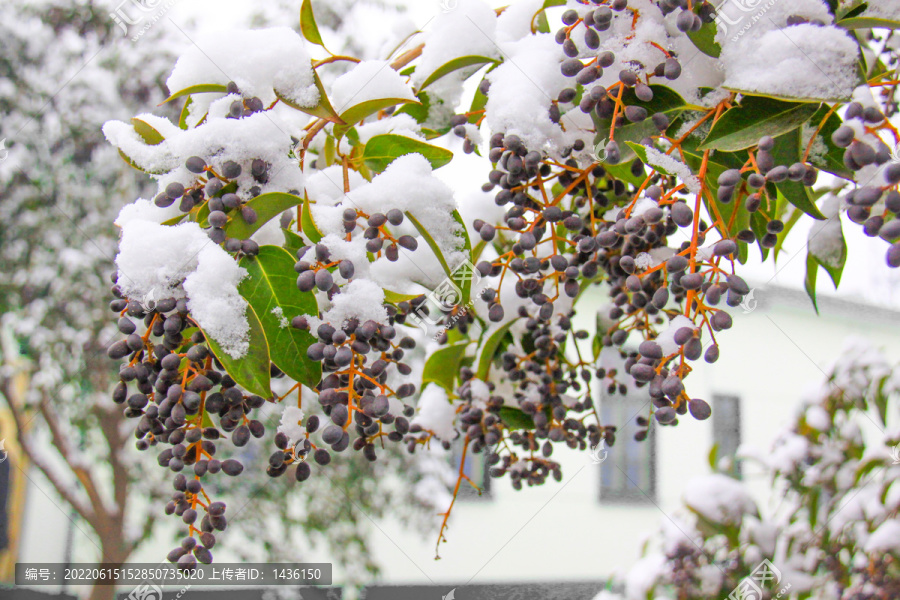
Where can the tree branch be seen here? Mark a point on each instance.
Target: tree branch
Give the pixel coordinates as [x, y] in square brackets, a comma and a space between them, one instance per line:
[84, 511]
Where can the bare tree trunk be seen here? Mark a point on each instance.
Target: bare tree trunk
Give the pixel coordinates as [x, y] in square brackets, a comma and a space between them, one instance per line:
[116, 550]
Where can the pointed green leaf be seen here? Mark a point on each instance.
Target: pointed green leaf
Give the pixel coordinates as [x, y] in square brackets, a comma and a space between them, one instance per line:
[489, 348]
[868, 23]
[307, 224]
[381, 150]
[665, 100]
[150, 135]
[641, 152]
[832, 158]
[442, 367]
[742, 126]
[308, 26]
[322, 110]
[271, 289]
[787, 151]
[431, 243]
[455, 64]
[267, 206]
[185, 112]
[463, 236]
[396, 297]
[514, 418]
[200, 88]
[705, 40]
[252, 370]
[292, 241]
[358, 112]
[809, 284]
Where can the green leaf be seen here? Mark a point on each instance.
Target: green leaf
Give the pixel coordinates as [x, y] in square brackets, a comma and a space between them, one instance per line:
[150, 135]
[308, 26]
[718, 163]
[358, 112]
[200, 88]
[442, 367]
[515, 418]
[322, 110]
[742, 126]
[431, 243]
[185, 112]
[665, 100]
[271, 284]
[252, 370]
[267, 206]
[705, 40]
[173, 221]
[292, 241]
[419, 112]
[812, 269]
[396, 297]
[381, 150]
[455, 64]
[868, 23]
[489, 348]
[832, 160]
[463, 235]
[307, 224]
[787, 151]
[712, 457]
[641, 152]
[834, 269]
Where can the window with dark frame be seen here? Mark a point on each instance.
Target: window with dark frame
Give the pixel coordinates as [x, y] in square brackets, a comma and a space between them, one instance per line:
[475, 469]
[726, 424]
[628, 474]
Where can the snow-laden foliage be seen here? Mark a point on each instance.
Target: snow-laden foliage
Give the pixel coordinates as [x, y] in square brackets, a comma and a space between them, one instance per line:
[646, 147]
[831, 529]
[66, 70]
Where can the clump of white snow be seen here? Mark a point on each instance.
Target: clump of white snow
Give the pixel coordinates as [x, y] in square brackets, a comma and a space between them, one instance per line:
[803, 61]
[361, 299]
[671, 165]
[291, 424]
[886, 538]
[435, 412]
[156, 262]
[719, 499]
[826, 238]
[214, 301]
[467, 30]
[259, 61]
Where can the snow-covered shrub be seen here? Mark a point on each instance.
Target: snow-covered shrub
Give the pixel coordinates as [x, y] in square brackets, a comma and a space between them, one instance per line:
[300, 235]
